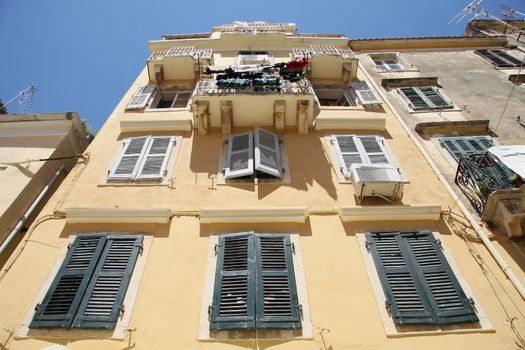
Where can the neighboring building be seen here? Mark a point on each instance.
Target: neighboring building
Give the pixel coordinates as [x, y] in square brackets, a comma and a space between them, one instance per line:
[227, 204]
[36, 153]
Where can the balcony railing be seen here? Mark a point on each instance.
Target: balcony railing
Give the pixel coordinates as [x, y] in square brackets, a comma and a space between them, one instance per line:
[180, 51]
[252, 26]
[329, 50]
[207, 87]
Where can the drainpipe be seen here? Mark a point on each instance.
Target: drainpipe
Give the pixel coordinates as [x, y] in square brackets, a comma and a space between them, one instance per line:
[29, 211]
[473, 221]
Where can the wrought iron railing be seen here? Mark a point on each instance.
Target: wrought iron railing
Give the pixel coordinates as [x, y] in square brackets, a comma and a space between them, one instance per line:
[206, 87]
[330, 50]
[478, 175]
[178, 51]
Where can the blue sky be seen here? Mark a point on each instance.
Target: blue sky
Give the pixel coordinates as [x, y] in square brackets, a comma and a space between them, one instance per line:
[83, 55]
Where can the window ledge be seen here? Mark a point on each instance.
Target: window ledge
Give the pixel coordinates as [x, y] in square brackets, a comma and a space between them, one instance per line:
[117, 215]
[437, 110]
[390, 212]
[119, 332]
[392, 330]
[251, 215]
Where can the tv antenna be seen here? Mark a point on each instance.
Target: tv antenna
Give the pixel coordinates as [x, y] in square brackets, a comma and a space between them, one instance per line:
[473, 7]
[509, 13]
[24, 98]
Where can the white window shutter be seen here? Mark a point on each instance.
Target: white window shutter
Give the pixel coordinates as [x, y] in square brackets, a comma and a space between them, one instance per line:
[267, 153]
[141, 97]
[239, 161]
[373, 150]
[127, 164]
[156, 156]
[347, 152]
[364, 92]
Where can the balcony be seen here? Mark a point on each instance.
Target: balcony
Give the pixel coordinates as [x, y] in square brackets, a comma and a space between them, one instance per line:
[178, 63]
[328, 64]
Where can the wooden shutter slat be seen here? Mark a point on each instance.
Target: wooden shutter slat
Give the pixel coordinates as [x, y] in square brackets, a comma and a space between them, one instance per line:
[233, 304]
[373, 150]
[62, 300]
[102, 302]
[239, 161]
[267, 153]
[347, 152]
[415, 101]
[458, 146]
[155, 159]
[129, 160]
[141, 97]
[403, 293]
[365, 93]
[276, 292]
[433, 95]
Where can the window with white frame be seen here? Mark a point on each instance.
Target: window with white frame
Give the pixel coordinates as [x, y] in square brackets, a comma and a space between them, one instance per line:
[144, 158]
[253, 57]
[153, 97]
[421, 98]
[357, 92]
[253, 155]
[171, 99]
[389, 62]
[360, 150]
[500, 58]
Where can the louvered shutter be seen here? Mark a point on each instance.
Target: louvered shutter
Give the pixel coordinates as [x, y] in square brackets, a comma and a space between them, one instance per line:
[62, 300]
[155, 160]
[435, 98]
[447, 299]
[499, 58]
[458, 146]
[128, 162]
[141, 97]
[373, 149]
[102, 302]
[234, 292]
[240, 156]
[404, 293]
[276, 292]
[346, 151]
[414, 100]
[267, 153]
[365, 93]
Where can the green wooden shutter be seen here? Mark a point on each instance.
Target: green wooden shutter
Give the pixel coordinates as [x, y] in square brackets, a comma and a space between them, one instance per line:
[458, 146]
[63, 297]
[415, 101]
[276, 292]
[102, 302]
[449, 303]
[233, 304]
[435, 98]
[404, 294]
[499, 58]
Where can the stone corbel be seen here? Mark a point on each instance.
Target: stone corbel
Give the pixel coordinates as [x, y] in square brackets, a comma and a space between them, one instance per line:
[202, 116]
[279, 112]
[226, 117]
[302, 117]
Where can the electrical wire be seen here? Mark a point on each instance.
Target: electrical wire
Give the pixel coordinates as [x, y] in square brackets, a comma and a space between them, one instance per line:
[44, 159]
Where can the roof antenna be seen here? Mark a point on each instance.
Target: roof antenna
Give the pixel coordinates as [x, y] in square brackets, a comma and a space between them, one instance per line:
[472, 7]
[24, 98]
[509, 13]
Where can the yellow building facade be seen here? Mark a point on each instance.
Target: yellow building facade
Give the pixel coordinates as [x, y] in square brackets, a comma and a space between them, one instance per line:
[241, 197]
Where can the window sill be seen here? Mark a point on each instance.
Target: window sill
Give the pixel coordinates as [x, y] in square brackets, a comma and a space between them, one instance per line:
[119, 332]
[343, 108]
[174, 109]
[392, 330]
[437, 110]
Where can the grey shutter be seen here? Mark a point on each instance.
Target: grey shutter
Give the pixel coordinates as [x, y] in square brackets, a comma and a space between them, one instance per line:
[141, 97]
[499, 58]
[156, 156]
[435, 98]
[129, 160]
[276, 292]
[267, 153]
[365, 93]
[449, 303]
[403, 291]
[415, 101]
[239, 160]
[62, 300]
[373, 149]
[234, 292]
[102, 302]
[346, 151]
[458, 146]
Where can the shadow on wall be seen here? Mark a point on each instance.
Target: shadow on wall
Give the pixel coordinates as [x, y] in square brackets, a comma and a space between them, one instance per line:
[156, 230]
[305, 229]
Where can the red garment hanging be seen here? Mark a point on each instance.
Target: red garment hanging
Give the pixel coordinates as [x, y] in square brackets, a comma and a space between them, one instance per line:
[297, 64]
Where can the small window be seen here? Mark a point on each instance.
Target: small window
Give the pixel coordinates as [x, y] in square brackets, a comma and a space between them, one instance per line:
[357, 91]
[254, 155]
[171, 99]
[419, 285]
[365, 150]
[255, 283]
[143, 158]
[253, 57]
[389, 62]
[89, 288]
[466, 145]
[499, 58]
[425, 98]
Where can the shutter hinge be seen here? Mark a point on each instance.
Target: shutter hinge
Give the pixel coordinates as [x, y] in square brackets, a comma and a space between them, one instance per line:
[293, 248]
[69, 246]
[141, 248]
[439, 242]
[388, 307]
[472, 302]
[367, 246]
[209, 312]
[216, 249]
[122, 310]
[331, 140]
[37, 306]
[300, 309]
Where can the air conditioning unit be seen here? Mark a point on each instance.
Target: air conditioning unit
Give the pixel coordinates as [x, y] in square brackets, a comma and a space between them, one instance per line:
[377, 180]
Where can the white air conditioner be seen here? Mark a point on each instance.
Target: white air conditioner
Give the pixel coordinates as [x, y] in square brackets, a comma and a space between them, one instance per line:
[377, 180]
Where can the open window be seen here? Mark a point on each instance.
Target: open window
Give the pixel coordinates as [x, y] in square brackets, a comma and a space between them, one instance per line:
[141, 97]
[171, 99]
[358, 92]
[389, 62]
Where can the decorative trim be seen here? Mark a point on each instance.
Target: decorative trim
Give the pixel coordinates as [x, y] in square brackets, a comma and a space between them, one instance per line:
[117, 215]
[391, 212]
[148, 123]
[409, 82]
[344, 122]
[250, 215]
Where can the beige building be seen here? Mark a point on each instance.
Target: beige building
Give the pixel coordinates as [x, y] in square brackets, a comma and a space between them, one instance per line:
[253, 189]
[36, 153]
